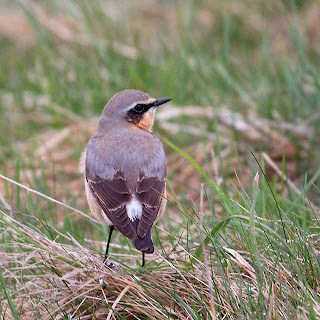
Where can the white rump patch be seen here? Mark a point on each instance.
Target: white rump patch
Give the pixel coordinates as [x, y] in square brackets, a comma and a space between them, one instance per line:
[134, 209]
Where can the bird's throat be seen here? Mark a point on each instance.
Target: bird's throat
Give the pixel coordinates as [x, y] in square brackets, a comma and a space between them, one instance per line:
[146, 121]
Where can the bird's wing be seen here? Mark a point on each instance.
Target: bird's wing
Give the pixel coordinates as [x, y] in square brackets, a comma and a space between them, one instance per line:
[113, 195]
[150, 191]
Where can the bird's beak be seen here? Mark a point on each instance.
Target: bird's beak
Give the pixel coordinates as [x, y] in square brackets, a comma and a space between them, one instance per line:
[159, 102]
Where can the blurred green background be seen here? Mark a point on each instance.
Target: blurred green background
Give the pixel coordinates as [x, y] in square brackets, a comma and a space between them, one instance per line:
[254, 64]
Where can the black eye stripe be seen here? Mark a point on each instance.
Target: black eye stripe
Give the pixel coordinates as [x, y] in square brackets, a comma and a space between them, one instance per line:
[135, 114]
[140, 108]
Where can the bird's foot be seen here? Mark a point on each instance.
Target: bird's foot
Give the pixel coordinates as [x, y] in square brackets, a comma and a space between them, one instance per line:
[143, 271]
[109, 265]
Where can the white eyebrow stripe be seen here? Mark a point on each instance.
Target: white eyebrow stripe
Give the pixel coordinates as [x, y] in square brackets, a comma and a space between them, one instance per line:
[150, 100]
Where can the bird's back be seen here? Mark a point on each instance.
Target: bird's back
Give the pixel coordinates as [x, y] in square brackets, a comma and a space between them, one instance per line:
[130, 151]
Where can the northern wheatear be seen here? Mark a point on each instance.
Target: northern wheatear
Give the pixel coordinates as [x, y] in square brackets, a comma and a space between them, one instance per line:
[125, 169]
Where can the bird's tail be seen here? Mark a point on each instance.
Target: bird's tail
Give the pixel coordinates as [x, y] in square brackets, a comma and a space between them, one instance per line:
[145, 244]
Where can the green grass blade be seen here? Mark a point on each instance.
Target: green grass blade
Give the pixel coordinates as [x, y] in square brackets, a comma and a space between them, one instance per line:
[6, 293]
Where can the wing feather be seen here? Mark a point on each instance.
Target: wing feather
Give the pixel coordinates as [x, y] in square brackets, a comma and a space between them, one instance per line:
[149, 192]
[112, 196]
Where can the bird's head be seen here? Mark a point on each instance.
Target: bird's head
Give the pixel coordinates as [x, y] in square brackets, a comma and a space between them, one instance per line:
[132, 108]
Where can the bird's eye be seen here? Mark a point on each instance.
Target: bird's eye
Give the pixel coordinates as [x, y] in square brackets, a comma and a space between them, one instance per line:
[139, 108]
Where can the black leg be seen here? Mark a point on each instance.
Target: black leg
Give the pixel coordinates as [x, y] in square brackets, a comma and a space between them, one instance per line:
[109, 238]
[143, 260]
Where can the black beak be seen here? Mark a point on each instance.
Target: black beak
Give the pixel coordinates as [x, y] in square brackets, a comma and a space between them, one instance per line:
[159, 102]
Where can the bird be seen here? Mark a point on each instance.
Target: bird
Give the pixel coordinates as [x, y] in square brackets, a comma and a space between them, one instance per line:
[124, 167]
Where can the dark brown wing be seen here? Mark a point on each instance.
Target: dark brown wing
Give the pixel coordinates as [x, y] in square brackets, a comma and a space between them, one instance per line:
[112, 196]
[149, 193]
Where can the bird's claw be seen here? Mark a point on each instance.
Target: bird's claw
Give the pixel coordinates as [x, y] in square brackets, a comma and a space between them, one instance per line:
[109, 265]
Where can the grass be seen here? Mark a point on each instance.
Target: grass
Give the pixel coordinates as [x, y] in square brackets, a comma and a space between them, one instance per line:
[246, 94]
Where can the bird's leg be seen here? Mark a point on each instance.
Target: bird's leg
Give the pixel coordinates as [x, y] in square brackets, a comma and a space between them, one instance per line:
[143, 260]
[111, 228]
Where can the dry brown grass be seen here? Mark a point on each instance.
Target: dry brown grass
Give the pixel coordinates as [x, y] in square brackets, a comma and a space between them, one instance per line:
[71, 275]
[56, 280]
